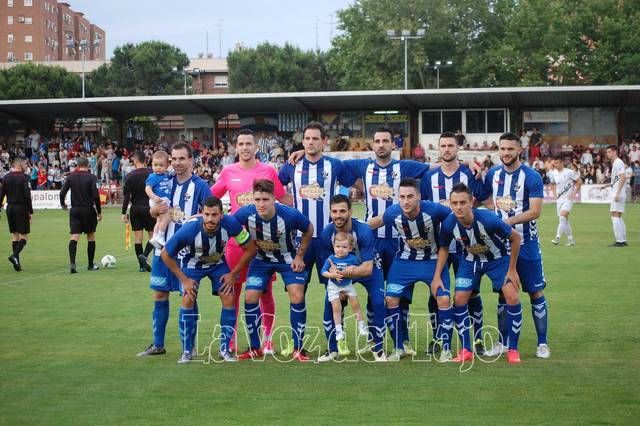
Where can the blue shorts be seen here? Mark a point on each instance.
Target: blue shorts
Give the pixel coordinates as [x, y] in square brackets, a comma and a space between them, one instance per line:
[386, 249]
[470, 273]
[314, 256]
[529, 267]
[405, 273]
[162, 279]
[214, 273]
[260, 273]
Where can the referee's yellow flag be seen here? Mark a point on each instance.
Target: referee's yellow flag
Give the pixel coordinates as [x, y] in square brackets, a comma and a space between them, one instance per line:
[127, 236]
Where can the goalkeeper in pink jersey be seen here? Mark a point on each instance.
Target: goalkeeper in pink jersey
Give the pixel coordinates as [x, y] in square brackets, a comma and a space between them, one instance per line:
[237, 180]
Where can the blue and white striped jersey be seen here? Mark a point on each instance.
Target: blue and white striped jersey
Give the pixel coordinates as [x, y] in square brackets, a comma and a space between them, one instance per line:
[381, 185]
[313, 186]
[205, 250]
[363, 241]
[186, 199]
[512, 193]
[418, 236]
[484, 241]
[276, 237]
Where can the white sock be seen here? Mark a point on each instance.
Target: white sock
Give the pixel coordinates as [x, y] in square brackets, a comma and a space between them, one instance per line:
[616, 229]
[623, 230]
[563, 226]
[567, 228]
[559, 230]
[338, 328]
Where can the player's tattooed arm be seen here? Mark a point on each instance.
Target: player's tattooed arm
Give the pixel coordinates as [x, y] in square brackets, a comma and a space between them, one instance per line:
[298, 262]
[375, 222]
[295, 156]
[512, 273]
[365, 269]
[286, 199]
[535, 208]
[228, 280]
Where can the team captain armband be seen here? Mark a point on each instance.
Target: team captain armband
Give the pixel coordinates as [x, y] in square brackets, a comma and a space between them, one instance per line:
[242, 237]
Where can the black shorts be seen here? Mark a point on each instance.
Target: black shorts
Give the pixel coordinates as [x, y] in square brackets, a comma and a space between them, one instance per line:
[82, 220]
[18, 219]
[140, 219]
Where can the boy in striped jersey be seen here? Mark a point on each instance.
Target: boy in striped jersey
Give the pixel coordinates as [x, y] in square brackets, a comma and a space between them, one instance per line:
[205, 238]
[188, 194]
[516, 195]
[417, 223]
[436, 187]
[483, 237]
[274, 227]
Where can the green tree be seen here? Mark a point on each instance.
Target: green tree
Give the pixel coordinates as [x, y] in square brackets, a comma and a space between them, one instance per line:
[145, 69]
[29, 81]
[270, 68]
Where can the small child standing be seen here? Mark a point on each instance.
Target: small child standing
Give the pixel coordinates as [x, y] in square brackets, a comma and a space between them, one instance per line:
[158, 188]
[339, 285]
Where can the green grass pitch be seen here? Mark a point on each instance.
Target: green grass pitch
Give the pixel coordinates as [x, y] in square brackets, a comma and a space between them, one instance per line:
[68, 344]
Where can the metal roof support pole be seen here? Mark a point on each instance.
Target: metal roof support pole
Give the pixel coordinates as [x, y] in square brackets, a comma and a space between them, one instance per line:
[414, 133]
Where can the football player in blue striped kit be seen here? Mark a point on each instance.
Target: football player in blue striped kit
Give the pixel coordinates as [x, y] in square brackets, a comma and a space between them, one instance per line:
[188, 194]
[381, 178]
[436, 186]
[274, 228]
[417, 223]
[368, 273]
[205, 238]
[485, 240]
[516, 195]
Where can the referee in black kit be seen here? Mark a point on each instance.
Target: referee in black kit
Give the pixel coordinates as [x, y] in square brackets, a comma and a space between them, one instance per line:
[85, 211]
[15, 186]
[139, 216]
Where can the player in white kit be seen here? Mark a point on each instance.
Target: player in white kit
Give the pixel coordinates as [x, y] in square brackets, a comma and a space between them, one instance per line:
[618, 196]
[567, 184]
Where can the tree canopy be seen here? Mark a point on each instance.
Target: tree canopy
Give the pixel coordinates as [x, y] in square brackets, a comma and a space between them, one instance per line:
[29, 81]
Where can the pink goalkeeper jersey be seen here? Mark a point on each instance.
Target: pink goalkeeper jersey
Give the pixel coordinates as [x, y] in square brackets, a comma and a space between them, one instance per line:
[238, 182]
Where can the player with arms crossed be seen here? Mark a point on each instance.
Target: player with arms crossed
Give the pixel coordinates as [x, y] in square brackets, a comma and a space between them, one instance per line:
[237, 180]
[516, 194]
[436, 186]
[368, 273]
[205, 238]
[417, 223]
[273, 227]
[188, 194]
[483, 237]
[618, 197]
[567, 185]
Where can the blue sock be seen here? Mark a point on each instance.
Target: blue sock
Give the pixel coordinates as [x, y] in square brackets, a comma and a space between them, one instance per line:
[502, 321]
[329, 326]
[393, 324]
[227, 324]
[194, 330]
[475, 311]
[433, 320]
[514, 320]
[404, 324]
[463, 324]
[445, 327]
[298, 318]
[160, 317]
[186, 325]
[539, 311]
[253, 319]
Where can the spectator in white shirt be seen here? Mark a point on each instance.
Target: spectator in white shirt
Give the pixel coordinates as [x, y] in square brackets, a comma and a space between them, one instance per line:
[586, 158]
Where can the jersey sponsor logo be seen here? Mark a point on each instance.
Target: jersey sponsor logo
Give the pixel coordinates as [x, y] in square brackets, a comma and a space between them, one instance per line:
[212, 258]
[506, 203]
[381, 191]
[245, 198]
[176, 214]
[267, 245]
[312, 192]
[478, 249]
[418, 243]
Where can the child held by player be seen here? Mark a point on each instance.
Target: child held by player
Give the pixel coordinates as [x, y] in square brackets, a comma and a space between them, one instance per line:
[339, 286]
[158, 188]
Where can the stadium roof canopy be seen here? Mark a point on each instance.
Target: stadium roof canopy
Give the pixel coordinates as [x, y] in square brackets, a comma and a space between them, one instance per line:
[372, 100]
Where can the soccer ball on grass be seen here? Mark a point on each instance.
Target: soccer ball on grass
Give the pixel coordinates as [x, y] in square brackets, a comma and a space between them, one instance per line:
[108, 261]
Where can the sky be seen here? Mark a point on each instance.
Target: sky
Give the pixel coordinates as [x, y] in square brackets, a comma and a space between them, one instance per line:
[185, 23]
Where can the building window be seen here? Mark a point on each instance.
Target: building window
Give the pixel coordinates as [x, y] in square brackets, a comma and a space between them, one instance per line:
[431, 122]
[9, 3]
[10, 56]
[495, 121]
[451, 121]
[28, 3]
[28, 56]
[220, 81]
[10, 38]
[9, 20]
[476, 121]
[28, 20]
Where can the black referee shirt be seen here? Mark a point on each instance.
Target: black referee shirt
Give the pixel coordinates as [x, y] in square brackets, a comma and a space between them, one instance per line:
[84, 192]
[15, 186]
[133, 189]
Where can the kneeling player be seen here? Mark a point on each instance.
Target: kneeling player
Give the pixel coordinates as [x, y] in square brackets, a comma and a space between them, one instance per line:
[483, 237]
[417, 223]
[205, 238]
[274, 227]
